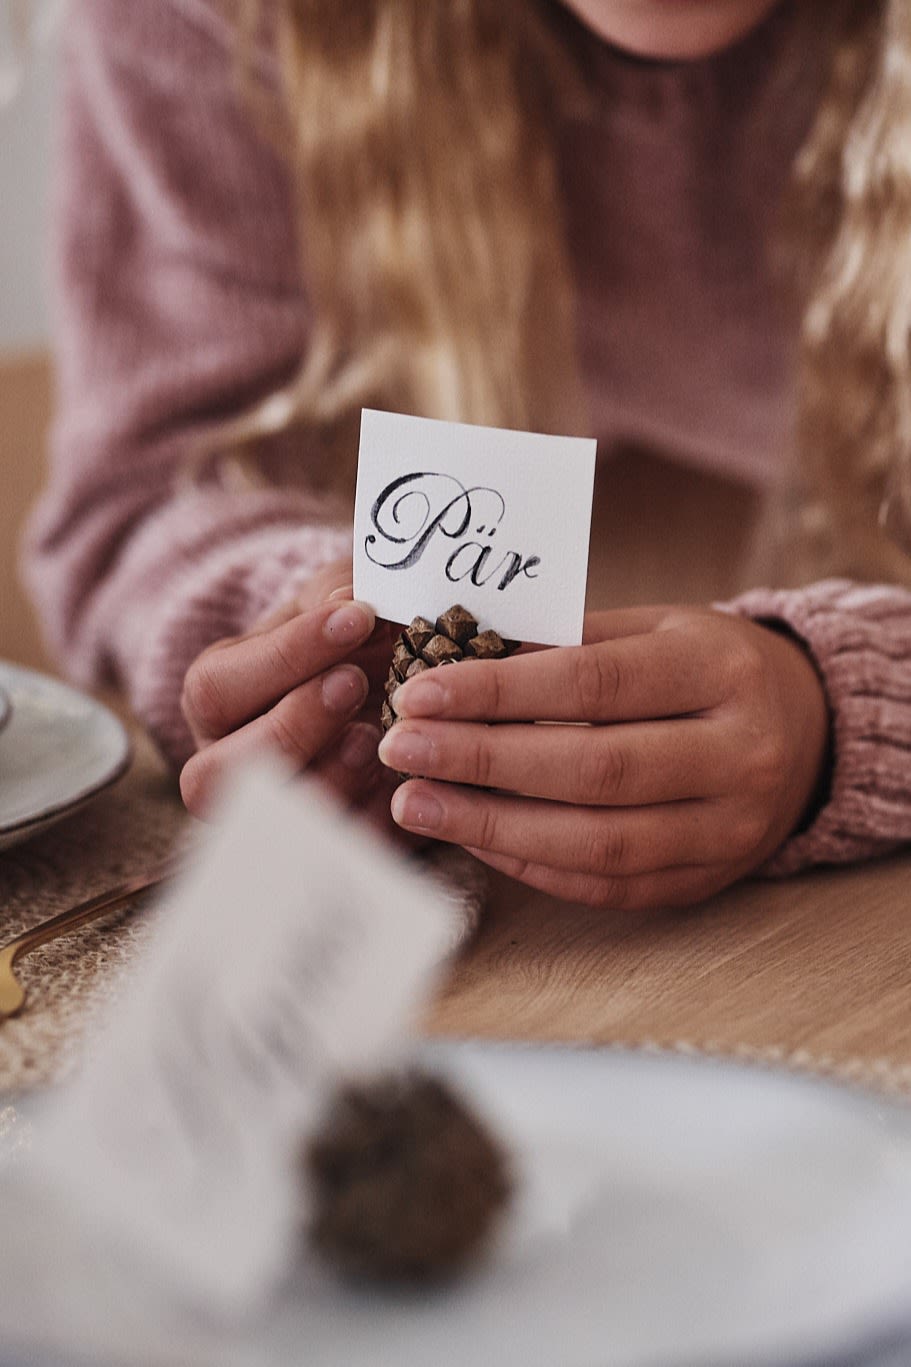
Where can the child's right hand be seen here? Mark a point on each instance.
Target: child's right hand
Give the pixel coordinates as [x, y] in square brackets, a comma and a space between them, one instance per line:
[307, 683]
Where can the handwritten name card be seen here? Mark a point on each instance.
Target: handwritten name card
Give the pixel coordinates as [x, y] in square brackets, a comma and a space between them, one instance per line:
[493, 519]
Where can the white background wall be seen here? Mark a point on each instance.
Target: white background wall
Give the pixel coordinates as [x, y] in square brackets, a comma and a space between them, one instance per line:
[25, 127]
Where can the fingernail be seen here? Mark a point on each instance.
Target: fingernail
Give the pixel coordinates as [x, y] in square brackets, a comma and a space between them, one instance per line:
[416, 810]
[344, 689]
[346, 591]
[349, 625]
[408, 750]
[419, 698]
[358, 749]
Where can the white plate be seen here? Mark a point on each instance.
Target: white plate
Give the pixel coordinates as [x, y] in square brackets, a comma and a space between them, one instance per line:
[5, 708]
[58, 750]
[673, 1212]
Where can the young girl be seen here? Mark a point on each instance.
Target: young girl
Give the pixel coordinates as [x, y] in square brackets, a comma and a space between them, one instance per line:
[554, 216]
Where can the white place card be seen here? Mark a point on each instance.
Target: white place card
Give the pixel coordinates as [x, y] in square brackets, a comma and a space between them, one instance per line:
[496, 520]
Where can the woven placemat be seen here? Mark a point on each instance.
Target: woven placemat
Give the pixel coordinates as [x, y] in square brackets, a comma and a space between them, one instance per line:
[125, 831]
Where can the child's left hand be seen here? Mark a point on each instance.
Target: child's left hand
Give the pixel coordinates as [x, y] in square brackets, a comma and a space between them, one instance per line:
[708, 741]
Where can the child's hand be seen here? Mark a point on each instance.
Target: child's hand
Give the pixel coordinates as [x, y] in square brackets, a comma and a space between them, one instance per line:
[306, 682]
[708, 744]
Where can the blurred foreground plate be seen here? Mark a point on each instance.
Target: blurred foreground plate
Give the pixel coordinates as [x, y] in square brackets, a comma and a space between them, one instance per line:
[5, 708]
[58, 750]
[673, 1211]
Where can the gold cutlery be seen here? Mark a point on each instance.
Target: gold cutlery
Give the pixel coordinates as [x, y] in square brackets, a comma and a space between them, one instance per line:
[12, 993]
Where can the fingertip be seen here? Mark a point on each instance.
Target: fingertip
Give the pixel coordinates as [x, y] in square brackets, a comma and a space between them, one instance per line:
[419, 698]
[195, 785]
[349, 624]
[186, 783]
[397, 804]
[344, 690]
[383, 751]
[358, 749]
[416, 807]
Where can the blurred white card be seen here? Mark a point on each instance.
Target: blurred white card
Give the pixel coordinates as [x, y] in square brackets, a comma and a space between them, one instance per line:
[493, 519]
[295, 951]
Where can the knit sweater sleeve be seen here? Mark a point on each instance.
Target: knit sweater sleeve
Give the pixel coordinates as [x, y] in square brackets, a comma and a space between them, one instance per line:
[859, 637]
[178, 303]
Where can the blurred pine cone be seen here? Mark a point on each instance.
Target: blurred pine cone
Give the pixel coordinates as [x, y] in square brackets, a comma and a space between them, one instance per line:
[406, 1182]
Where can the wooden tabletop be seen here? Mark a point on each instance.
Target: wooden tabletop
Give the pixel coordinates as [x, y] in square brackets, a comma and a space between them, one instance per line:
[813, 972]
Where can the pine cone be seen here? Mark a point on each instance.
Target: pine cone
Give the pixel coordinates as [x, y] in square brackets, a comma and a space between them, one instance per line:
[427, 645]
[406, 1183]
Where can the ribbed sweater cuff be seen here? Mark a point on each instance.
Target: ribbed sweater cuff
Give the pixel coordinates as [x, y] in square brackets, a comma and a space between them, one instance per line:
[860, 640]
[223, 594]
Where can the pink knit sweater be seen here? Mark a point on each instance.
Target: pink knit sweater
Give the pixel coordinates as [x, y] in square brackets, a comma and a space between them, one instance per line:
[179, 302]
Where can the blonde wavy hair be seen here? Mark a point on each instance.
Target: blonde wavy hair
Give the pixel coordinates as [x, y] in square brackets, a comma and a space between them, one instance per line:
[422, 140]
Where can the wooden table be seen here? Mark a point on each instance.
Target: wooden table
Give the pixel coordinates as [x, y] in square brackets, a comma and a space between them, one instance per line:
[814, 972]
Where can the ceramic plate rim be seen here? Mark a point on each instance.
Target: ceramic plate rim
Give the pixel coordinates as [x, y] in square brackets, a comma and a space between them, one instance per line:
[113, 772]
